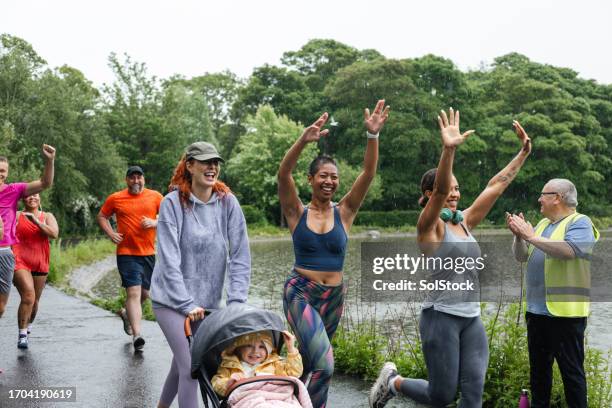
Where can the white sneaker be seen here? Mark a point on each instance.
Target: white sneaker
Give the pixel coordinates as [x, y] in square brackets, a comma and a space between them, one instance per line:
[380, 393]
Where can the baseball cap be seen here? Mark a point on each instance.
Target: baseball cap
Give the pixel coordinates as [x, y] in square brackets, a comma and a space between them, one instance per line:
[134, 169]
[202, 151]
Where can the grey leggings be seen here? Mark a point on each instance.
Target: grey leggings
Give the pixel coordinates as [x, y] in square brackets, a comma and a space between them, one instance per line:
[179, 378]
[456, 353]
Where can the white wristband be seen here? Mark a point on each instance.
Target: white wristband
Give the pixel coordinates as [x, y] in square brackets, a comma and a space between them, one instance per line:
[371, 136]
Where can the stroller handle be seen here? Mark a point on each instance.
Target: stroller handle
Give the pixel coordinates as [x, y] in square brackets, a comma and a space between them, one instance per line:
[187, 325]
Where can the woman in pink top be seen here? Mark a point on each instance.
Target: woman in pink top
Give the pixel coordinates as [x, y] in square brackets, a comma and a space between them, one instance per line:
[34, 228]
[10, 194]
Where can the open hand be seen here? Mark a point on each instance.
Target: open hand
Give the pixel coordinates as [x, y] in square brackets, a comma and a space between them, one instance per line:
[313, 132]
[375, 122]
[289, 341]
[449, 129]
[523, 137]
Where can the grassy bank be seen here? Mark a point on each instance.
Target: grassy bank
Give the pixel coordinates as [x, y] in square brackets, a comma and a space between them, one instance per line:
[116, 303]
[64, 260]
[362, 345]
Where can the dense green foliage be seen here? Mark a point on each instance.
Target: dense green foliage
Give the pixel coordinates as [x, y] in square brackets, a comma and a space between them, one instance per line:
[140, 119]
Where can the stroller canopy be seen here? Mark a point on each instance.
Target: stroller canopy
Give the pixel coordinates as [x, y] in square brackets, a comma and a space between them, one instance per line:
[219, 329]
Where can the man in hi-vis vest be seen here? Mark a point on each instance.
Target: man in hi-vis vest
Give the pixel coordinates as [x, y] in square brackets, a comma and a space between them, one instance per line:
[558, 281]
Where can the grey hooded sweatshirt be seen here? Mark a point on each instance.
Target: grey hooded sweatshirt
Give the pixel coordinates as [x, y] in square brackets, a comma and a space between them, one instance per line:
[196, 245]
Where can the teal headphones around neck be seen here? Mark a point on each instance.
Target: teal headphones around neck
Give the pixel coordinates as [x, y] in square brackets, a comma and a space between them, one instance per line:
[448, 215]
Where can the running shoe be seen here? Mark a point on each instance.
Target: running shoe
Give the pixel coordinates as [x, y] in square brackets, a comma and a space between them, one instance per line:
[22, 343]
[139, 343]
[127, 327]
[380, 393]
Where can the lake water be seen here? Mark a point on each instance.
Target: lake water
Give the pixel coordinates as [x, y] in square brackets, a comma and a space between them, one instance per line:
[272, 260]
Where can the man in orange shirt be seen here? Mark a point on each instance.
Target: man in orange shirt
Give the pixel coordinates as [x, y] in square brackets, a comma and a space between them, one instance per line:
[135, 210]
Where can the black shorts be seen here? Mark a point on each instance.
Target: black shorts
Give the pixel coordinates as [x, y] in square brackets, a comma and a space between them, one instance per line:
[135, 270]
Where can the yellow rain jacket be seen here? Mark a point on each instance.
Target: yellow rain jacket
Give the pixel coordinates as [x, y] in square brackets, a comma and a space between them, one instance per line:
[272, 365]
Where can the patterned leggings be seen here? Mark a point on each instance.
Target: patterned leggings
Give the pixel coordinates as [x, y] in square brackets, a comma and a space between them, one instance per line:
[313, 311]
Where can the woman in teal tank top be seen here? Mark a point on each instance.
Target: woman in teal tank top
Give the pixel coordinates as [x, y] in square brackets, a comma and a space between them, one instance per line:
[453, 337]
[313, 294]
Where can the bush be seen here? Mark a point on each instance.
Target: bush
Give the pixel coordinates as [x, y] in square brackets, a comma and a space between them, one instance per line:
[602, 222]
[395, 218]
[253, 215]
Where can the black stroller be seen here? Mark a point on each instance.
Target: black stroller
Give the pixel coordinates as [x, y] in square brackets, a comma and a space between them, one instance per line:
[218, 331]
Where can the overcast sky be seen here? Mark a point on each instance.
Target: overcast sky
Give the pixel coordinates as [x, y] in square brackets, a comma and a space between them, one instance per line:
[193, 37]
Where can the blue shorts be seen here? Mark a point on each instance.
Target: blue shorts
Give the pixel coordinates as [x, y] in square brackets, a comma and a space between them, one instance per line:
[135, 270]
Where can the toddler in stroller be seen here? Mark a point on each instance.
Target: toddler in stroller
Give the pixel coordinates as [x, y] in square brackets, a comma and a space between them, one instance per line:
[251, 355]
[240, 346]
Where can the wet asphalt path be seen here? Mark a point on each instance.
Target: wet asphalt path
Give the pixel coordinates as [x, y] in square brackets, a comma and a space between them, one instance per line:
[76, 344]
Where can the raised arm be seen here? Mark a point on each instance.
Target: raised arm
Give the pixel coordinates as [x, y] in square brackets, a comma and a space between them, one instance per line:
[350, 203]
[287, 193]
[46, 180]
[498, 184]
[451, 138]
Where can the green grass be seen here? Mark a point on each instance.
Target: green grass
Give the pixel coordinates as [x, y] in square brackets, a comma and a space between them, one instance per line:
[63, 260]
[116, 303]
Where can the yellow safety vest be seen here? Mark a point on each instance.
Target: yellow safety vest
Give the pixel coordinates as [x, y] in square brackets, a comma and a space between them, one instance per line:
[567, 282]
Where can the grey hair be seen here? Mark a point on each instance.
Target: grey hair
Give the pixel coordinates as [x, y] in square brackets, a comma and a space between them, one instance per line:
[569, 195]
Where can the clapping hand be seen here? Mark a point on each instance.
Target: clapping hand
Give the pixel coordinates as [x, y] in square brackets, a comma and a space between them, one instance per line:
[519, 227]
[449, 129]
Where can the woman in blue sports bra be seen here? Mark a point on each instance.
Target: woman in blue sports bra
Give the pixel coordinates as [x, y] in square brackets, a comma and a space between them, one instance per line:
[313, 294]
[453, 337]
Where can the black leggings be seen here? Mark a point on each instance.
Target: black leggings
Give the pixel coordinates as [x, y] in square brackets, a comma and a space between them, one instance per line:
[456, 354]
